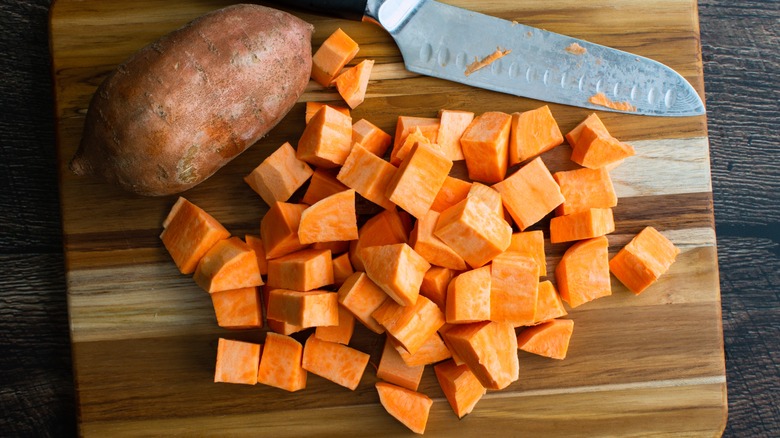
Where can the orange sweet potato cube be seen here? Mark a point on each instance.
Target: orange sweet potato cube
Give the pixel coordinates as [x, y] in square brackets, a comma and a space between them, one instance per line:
[582, 274]
[397, 269]
[238, 308]
[334, 53]
[362, 297]
[326, 139]
[304, 309]
[485, 145]
[429, 129]
[468, 297]
[341, 333]
[548, 303]
[342, 269]
[549, 339]
[643, 260]
[531, 244]
[368, 175]
[330, 219]
[302, 270]
[452, 125]
[533, 132]
[323, 183]
[430, 247]
[596, 148]
[460, 386]
[582, 225]
[353, 83]
[432, 351]
[312, 107]
[384, 228]
[371, 137]
[489, 349]
[452, 191]
[188, 233]
[256, 243]
[584, 189]
[513, 289]
[393, 369]
[410, 325]
[434, 285]
[279, 175]
[333, 361]
[229, 264]
[592, 121]
[279, 229]
[237, 362]
[419, 178]
[474, 231]
[280, 364]
[530, 193]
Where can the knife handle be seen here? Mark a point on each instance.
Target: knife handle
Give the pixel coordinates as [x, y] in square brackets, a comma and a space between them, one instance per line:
[349, 9]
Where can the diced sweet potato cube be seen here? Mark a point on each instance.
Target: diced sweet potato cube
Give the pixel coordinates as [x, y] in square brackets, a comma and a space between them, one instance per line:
[410, 325]
[430, 247]
[333, 361]
[489, 349]
[280, 364]
[434, 285]
[323, 183]
[353, 83]
[582, 274]
[256, 243]
[188, 233]
[474, 231]
[397, 269]
[460, 386]
[592, 121]
[371, 137]
[302, 270]
[452, 124]
[530, 193]
[432, 351]
[331, 219]
[485, 145]
[334, 53]
[415, 184]
[548, 303]
[340, 333]
[513, 289]
[531, 244]
[596, 148]
[452, 191]
[238, 308]
[584, 189]
[533, 132]
[468, 297]
[384, 228]
[327, 139]
[368, 175]
[428, 126]
[409, 407]
[362, 297]
[279, 175]
[229, 264]
[304, 309]
[280, 327]
[279, 229]
[549, 339]
[582, 225]
[312, 108]
[342, 269]
[237, 362]
[393, 369]
[643, 260]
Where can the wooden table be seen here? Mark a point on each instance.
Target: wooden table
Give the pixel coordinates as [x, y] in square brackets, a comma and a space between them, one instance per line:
[740, 74]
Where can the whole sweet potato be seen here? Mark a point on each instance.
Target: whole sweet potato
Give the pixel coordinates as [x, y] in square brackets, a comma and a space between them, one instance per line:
[185, 105]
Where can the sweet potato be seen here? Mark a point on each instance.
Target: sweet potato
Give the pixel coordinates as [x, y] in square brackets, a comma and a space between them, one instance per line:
[336, 362]
[489, 349]
[238, 308]
[334, 53]
[279, 175]
[229, 264]
[513, 288]
[371, 137]
[645, 258]
[460, 386]
[397, 269]
[280, 363]
[188, 233]
[330, 219]
[418, 179]
[430, 247]
[409, 407]
[533, 132]
[185, 105]
[352, 83]
[530, 193]
[582, 274]
[302, 270]
[582, 225]
[305, 309]
[432, 351]
[468, 297]
[322, 184]
[485, 145]
[452, 123]
[393, 369]
[434, 285]
[340, 333]
[410, 325]
[549, 339]
[237, 362]
[548, 303]
[362, 297]
[367, 174]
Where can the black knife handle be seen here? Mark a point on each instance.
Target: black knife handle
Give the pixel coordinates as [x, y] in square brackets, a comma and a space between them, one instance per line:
[349, 9]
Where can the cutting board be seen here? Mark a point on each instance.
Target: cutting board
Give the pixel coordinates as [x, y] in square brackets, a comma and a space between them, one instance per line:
[144, 336]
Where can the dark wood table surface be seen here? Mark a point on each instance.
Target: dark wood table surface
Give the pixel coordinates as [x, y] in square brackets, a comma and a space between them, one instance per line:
[741, 58]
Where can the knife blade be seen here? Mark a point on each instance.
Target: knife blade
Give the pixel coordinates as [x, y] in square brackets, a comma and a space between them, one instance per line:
[448, 42]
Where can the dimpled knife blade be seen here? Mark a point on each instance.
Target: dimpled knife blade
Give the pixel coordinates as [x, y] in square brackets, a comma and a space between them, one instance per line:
[445, 41]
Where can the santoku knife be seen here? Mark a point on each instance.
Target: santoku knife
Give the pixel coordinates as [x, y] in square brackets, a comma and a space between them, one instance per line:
[479, 50]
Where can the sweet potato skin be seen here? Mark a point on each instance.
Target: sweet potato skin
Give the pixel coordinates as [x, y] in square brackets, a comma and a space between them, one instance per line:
[185, 105]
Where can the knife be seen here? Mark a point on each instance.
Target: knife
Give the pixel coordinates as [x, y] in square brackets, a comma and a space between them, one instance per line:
[444, 41]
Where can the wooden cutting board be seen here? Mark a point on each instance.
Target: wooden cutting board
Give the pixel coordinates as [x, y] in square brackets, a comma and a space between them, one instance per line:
[144, 336]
